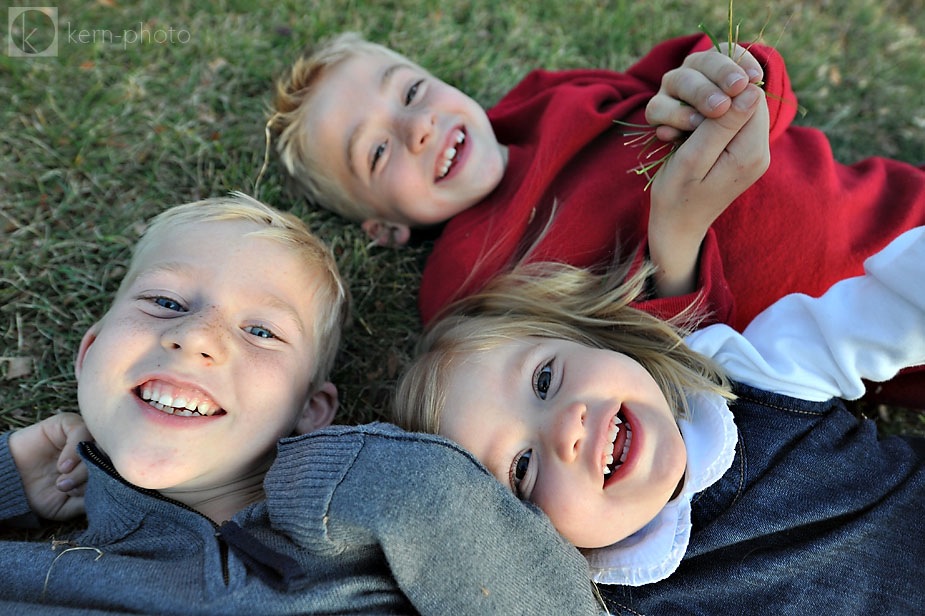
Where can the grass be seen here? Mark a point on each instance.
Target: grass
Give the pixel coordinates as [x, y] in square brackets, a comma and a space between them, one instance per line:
[97, 140]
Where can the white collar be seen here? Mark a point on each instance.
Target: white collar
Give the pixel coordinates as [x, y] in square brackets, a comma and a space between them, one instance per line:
[655, 551]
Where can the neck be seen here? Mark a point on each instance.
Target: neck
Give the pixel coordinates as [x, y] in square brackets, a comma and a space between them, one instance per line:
[221, 503]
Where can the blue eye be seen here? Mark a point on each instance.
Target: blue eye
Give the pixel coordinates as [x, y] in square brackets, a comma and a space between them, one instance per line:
[259, 331]
[413, 92]
[543, 381]
[519, 472]
[169, 304]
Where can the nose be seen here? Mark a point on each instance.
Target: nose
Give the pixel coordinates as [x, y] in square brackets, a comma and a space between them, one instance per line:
[567, 430]
[198, 335]
[418, 128]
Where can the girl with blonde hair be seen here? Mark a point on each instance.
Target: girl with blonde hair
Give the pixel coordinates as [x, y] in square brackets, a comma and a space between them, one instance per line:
[710, 470]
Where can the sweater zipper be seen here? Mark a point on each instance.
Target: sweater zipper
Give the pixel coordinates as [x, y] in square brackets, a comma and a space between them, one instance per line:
[107, 466]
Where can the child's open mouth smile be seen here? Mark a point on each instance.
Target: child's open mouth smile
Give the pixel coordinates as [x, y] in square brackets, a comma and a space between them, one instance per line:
[177, 401]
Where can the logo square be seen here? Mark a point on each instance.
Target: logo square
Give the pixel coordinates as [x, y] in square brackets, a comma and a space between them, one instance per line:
[32, 31]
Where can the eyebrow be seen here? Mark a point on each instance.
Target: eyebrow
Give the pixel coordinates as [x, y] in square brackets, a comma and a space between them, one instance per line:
[522, 362]
[384, 81]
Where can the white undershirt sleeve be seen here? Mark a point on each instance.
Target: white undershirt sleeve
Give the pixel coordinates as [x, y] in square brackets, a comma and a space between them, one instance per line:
[867, 327]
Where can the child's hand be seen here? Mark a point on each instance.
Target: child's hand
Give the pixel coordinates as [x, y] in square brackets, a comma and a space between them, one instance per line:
[53, 475]
[719, 160]
[702, 87]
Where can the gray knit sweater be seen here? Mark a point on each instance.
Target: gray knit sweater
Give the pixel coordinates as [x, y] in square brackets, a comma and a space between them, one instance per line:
[367, 520]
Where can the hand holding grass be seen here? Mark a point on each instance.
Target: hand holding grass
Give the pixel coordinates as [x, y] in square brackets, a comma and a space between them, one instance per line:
[53, 475]
[702, 87]
[714, 165]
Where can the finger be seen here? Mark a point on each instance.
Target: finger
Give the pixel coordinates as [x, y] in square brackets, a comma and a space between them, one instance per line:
[668, 133]
[75, 479]
[750, 148]
[729, 73]
[678, 117]
[73, 507]
[726, 67]
[705, 145]
[686, 91]
[745, 60]
[74, 431]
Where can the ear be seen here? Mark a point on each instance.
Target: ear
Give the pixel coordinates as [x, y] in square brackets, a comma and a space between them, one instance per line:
[88, 339]
[385, 233]
[319, 410]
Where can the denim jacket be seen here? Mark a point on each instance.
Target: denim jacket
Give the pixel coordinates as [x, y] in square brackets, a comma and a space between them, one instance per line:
[816, 515]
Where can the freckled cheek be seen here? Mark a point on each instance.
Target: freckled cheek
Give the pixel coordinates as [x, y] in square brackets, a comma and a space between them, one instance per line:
[266, 378]
[119, 341]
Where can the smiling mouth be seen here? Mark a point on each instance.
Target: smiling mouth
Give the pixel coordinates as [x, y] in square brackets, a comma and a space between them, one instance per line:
[621, 438]
[448, 158]
[177, 401]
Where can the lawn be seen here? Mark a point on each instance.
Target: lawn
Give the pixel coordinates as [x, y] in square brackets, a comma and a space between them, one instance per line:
[151, 104]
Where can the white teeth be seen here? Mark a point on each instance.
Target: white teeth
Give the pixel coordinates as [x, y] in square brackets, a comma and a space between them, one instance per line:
[626, 447]
[449, 155]
[166, 399]
[612, 435]
[182, 406]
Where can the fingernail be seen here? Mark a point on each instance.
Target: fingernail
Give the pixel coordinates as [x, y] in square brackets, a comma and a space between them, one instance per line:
[754, 74]
[734, 79]
[716, 100]
[66, 465]
[65, 484]
[696, 120]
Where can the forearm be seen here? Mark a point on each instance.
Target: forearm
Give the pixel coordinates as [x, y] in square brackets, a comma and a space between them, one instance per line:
[455, 539]
[675, 252]
[711, 297]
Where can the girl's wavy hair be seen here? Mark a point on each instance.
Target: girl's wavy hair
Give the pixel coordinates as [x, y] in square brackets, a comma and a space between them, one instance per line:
[554, 300]
[332, 299]
[294, 92]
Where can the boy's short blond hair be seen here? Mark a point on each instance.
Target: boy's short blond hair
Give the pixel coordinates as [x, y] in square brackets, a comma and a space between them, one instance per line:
[331, 295]
[293, 97]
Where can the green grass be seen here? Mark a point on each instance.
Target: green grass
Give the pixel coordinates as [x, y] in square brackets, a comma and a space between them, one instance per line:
[97, 140]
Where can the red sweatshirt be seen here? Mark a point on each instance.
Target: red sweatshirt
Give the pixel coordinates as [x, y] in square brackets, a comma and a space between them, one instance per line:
[807, 223]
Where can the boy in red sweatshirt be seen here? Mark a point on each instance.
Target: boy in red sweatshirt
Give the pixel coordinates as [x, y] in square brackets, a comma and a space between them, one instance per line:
[544, 172]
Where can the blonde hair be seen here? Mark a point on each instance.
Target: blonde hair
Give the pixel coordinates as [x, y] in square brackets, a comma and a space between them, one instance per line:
[293, 97]
[553, 300]
[332, 299]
